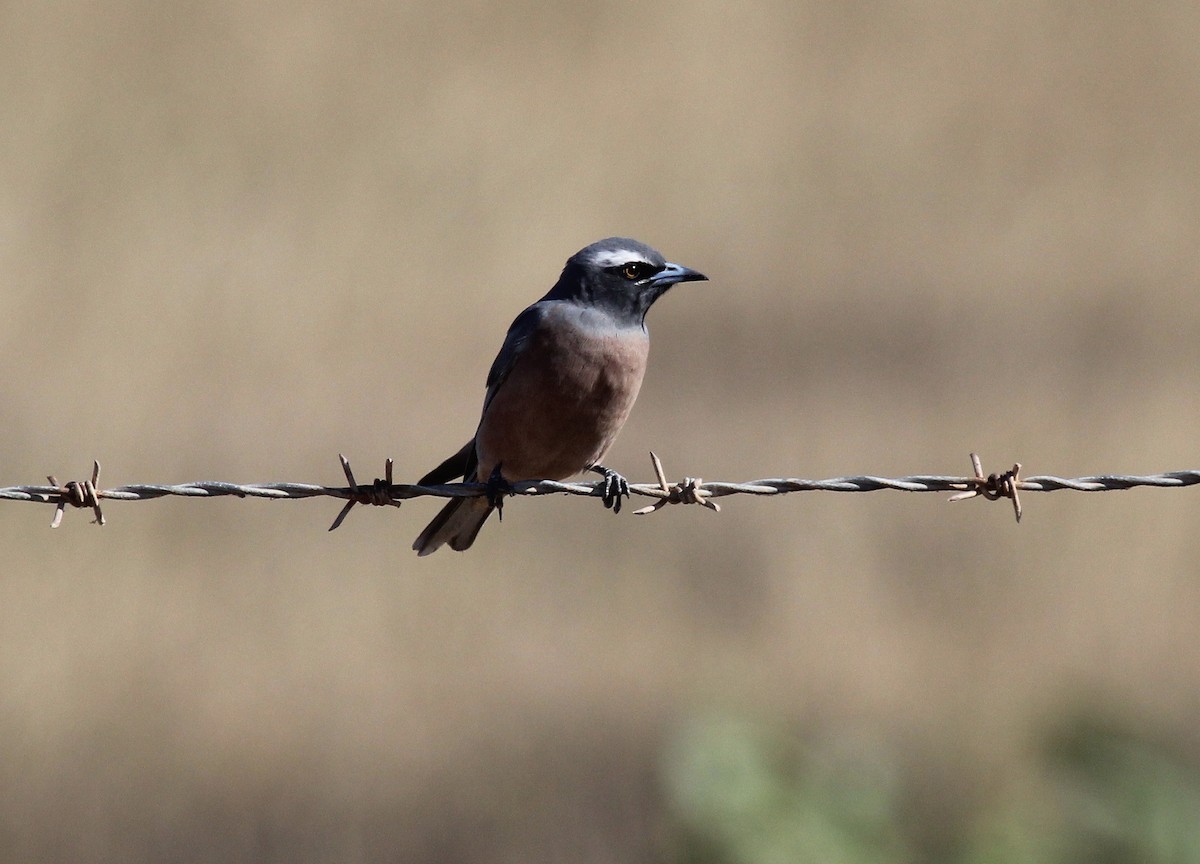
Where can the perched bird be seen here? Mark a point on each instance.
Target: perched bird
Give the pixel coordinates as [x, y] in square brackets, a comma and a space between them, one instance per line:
[562, 385]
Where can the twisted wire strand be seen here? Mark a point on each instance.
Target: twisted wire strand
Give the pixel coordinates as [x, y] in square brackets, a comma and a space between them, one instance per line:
[689, 491]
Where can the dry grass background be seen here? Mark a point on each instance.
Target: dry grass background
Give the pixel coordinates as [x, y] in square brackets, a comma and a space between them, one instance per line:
[236, 239]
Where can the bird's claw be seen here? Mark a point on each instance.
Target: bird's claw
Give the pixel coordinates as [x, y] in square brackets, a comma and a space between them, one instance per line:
[615, 487]
[497, 488]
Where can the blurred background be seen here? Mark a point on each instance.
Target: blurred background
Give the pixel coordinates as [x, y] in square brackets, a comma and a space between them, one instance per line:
[239, 238]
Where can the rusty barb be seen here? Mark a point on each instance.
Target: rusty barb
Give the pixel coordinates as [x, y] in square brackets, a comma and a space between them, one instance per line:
[691, 490]
[994, 486]
[78, 493]
[378, 494]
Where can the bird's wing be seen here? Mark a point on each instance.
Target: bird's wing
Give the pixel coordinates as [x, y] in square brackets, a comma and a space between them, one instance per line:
[463, 463]
[514, 344]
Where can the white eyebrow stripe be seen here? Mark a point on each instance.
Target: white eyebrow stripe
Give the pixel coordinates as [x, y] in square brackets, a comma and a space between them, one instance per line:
[617, 257]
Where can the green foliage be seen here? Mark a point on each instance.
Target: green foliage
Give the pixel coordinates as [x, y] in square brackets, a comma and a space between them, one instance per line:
[1104, 795]
[1125, 797]
[742, 795]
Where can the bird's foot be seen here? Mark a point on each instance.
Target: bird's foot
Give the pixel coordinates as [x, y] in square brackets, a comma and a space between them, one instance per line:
[615, 487]
[497, 488]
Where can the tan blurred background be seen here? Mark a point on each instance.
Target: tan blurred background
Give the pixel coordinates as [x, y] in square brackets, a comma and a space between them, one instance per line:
[237, 239]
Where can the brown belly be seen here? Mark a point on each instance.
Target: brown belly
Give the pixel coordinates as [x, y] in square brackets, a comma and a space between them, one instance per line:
[562, 404]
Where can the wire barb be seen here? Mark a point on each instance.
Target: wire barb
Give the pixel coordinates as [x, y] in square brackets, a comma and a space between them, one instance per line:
[378, 494]
[994, 486]
[690, 491]
[78, 493]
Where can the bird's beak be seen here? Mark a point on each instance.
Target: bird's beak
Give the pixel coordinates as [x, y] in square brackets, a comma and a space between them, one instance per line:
[673, 273]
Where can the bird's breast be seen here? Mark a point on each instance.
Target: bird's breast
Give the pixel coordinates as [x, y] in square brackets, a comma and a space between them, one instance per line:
[565, 398]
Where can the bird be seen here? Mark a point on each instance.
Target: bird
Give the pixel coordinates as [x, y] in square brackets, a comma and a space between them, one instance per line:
[561, 387]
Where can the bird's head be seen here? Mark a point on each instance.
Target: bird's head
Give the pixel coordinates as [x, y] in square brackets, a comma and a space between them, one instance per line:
[621, 276]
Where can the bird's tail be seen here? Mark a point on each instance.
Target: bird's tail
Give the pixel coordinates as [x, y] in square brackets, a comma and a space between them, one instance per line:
[457, 523]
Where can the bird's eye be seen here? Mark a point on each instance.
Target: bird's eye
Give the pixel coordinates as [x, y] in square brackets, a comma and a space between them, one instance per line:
[634, 270]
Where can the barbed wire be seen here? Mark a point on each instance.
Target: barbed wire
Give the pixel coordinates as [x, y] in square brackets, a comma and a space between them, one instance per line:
[691, 490]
